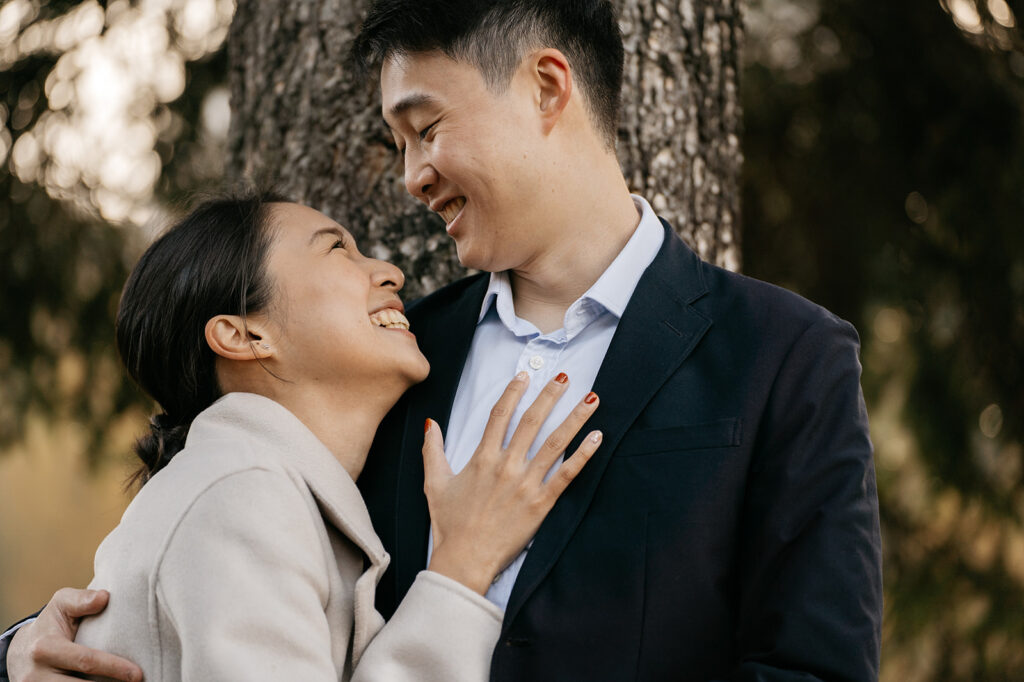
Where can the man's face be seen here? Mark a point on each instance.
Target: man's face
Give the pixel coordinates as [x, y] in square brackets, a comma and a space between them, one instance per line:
[474, 157]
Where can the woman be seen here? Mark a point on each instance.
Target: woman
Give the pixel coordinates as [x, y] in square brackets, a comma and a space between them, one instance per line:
[274, 349]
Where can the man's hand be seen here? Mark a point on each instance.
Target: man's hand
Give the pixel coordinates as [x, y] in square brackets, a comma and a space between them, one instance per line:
[45, 649]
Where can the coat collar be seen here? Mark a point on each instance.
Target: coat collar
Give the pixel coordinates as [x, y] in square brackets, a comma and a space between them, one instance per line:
[271, 429]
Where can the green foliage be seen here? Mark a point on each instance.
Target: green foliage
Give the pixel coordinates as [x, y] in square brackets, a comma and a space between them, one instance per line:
[883, 179]
[63, 265]
[62, 278]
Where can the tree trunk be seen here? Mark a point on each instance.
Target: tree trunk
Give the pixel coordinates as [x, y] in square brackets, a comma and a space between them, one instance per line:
[301, 120]
[679, 140]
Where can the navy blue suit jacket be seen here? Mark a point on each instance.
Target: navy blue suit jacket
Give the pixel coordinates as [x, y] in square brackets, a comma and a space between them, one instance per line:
[727, 528]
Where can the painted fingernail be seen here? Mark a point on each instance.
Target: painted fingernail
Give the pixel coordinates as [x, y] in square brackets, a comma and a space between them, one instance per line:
[562, 377]
[591, 397]
[522, 376]
[426, 426]
[596, 437]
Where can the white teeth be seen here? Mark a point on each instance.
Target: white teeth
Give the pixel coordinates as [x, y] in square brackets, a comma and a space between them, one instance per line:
[451, 209]
[389, 318]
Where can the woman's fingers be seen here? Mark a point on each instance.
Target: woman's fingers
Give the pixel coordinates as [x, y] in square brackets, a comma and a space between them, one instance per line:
[572, 466]
[560, 438]
[435, 465]
[537, 413]
[484, 516]
[501, 413]
[437, 473]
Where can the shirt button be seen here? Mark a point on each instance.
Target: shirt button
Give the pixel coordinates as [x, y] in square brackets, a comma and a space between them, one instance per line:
[536, 362]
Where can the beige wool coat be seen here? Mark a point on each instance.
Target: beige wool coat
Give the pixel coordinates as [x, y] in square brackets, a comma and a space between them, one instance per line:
[251, 557]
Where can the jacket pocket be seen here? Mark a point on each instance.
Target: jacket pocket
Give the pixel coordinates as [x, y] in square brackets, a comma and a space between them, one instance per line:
[720, 433]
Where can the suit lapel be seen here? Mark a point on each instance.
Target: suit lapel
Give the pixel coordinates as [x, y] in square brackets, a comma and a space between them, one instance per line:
[658, 330]
[445, 334]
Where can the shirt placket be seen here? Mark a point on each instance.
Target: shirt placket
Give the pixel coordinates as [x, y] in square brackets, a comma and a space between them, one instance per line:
[539, 359]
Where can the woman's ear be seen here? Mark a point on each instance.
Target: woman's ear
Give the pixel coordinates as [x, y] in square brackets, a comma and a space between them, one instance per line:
[554, 84]
[231, 337]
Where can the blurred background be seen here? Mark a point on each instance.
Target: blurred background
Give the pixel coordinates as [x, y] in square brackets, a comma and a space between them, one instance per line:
[883, 178]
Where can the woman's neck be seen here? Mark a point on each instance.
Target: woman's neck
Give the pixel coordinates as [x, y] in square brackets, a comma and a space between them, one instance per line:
[344, 420]
[346, 427]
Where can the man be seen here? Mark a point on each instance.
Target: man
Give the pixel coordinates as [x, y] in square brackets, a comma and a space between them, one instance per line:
[728, 527]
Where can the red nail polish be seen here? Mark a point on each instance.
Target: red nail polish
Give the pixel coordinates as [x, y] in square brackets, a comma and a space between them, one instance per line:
[426, 425]
[562, 377]
[591, 397]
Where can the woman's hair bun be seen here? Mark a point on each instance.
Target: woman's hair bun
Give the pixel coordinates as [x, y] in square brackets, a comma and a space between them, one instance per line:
[165, 439]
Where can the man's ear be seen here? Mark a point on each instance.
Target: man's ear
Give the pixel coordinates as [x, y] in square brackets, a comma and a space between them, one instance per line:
[553, 77]
[231, 337]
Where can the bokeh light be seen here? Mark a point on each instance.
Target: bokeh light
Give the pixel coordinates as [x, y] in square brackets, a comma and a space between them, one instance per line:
[95, 146]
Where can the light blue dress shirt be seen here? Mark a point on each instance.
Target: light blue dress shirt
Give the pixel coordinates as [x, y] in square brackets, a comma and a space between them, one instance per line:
[504, 345]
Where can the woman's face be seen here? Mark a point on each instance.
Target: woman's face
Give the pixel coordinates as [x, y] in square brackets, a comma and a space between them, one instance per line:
[336, 316]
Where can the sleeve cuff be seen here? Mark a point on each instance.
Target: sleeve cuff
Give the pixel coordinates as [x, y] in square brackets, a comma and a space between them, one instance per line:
[446, 584]
[7, 636]
[5, 644]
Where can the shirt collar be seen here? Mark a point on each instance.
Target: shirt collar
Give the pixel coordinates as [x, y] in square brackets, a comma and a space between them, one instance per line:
[613, 288]
[499, 293]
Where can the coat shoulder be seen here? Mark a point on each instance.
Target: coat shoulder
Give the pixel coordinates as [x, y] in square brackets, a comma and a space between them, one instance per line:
[760, 306]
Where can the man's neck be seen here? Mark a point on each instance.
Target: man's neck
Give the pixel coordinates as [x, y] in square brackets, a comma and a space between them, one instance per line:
[587, 240]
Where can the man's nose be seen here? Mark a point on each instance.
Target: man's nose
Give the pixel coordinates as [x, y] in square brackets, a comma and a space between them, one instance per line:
[420, 176]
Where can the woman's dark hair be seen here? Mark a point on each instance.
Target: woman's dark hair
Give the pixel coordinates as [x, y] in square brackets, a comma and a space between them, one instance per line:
[212, 262]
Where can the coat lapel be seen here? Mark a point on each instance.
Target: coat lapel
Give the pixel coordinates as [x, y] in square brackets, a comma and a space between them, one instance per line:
[342, 505]
[270, 427]
[658, 330]
[445, 334]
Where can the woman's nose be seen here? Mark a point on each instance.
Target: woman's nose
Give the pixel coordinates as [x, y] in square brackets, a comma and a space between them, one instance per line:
[387, 275]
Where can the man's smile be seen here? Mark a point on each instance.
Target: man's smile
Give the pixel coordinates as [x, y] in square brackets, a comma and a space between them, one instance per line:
[450, 210]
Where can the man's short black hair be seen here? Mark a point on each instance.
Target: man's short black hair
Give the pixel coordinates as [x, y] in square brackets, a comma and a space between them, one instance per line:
[495, 35]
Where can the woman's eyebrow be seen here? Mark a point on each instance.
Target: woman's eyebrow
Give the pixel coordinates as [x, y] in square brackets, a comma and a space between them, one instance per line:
[327, 230]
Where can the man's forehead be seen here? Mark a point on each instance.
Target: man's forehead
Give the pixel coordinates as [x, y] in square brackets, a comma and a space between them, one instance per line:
[400, 89]
[420, 80]
[410, 82]
[430, 71]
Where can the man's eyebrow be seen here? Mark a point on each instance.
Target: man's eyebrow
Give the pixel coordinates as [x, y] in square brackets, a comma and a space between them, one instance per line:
[327, 230]
[412, 101]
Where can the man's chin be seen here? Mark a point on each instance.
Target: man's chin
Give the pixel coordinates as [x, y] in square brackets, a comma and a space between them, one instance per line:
[472, 260]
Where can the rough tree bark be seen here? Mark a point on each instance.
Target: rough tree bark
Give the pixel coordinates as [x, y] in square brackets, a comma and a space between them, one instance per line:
[300, 121]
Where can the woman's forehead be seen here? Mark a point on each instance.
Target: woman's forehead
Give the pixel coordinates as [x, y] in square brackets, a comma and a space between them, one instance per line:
[303, 226]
